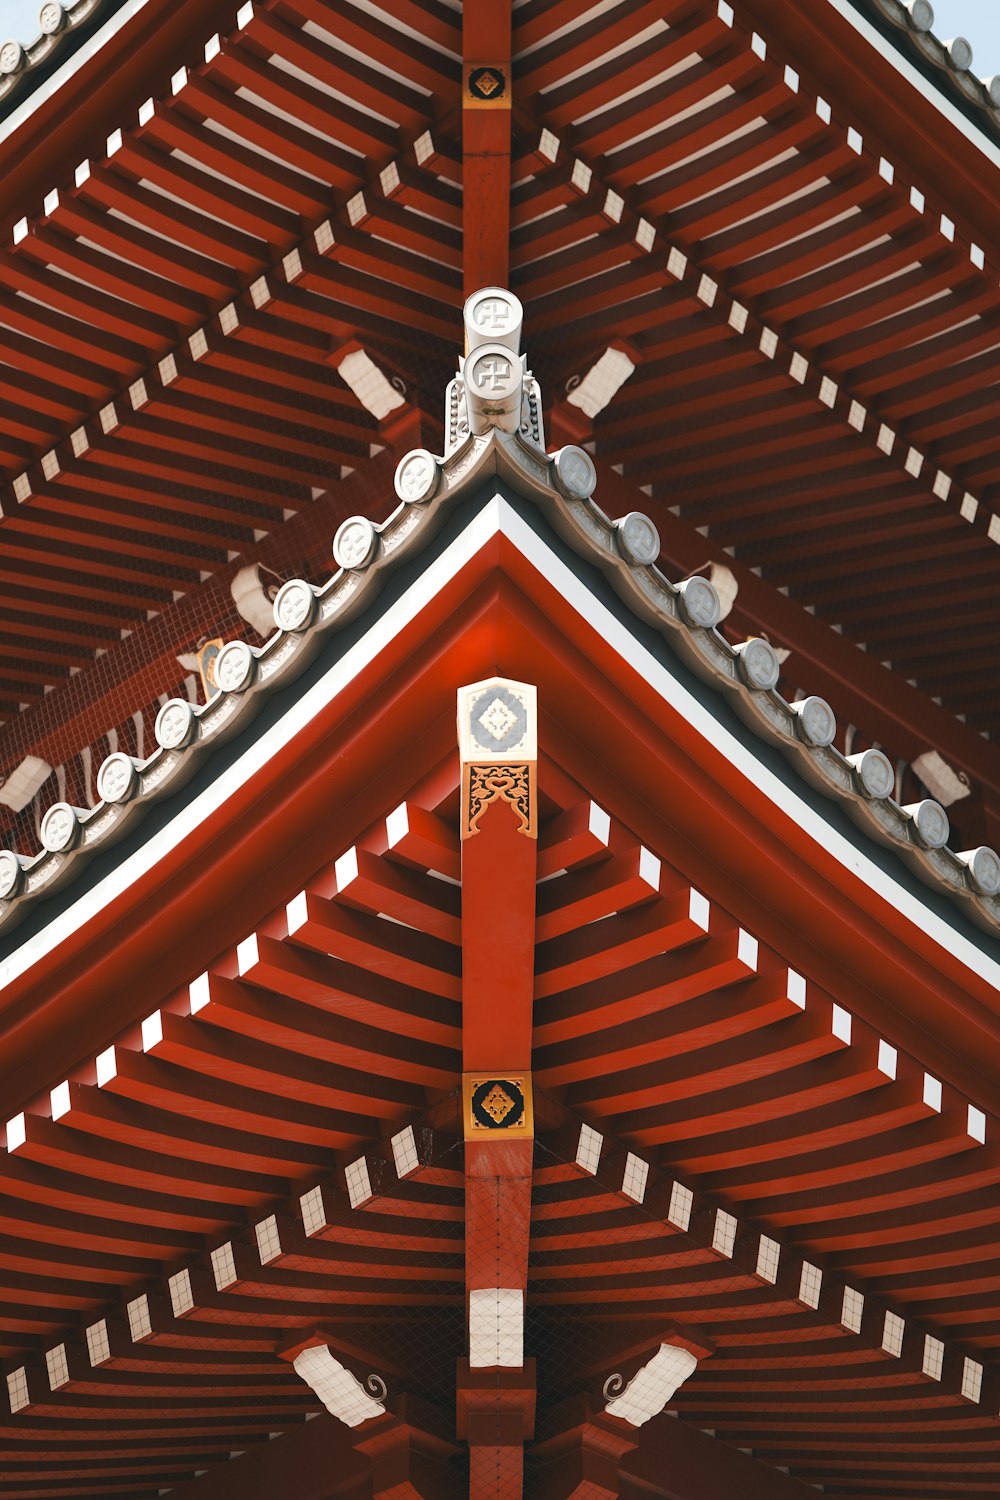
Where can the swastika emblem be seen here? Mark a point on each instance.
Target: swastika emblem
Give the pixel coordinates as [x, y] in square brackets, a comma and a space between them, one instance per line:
[493, 315]
[575, 473]
[493, 372]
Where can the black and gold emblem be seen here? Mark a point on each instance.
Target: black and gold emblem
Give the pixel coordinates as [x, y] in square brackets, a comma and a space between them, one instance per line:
[486, 85]
[497, 1105]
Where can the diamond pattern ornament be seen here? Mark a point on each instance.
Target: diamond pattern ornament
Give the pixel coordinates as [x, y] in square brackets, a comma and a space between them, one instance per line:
[498, 1104]
[485, 84]
[498, 720]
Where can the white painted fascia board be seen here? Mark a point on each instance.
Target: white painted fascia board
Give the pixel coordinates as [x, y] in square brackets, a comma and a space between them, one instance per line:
[497, 517]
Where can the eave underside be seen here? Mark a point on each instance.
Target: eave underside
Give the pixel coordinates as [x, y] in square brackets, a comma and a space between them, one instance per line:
[668, 1024]
[813, 328]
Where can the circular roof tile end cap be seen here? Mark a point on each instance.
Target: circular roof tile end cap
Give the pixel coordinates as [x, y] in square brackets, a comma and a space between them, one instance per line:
[175, 725]
[758, 663]
[355, 543]
[235, 667]
[700, 602]
[295, 605]
[983, 869]
[992, 87]
[11, 874]
[638, 539]
[60, 827]
[816, 722]
[959, 53]
[930, 823]
[921, 14]
[574, 472]
[12, 58]
[417, 476]
[875, 773]
[118, 778]
[51, 18]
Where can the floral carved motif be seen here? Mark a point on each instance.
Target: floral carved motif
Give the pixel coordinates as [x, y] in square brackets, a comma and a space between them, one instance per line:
[500, 783]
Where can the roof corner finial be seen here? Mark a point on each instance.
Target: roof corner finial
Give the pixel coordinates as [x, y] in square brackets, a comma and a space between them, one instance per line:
[493, 388]
[494, 396]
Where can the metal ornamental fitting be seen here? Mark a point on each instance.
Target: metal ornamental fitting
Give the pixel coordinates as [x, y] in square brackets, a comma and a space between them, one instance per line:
[497, 1105]
[235, 667]
[118, 778]
[875, 773]
[758, 663]
[295, 605]
[651, 1387]
[60, 827]
[175, 725]
[699, 601]
[355, 543]
[817, 722]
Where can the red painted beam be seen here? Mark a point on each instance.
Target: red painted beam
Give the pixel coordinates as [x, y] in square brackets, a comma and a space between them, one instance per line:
[691, 1465]
[314, 1462]
[486, 139]
[499, 866]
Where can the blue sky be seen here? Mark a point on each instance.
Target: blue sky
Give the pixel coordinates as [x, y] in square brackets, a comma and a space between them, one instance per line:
[977, 20]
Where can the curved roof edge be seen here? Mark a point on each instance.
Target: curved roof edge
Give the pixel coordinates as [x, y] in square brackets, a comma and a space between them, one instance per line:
[26, 66]
[624, 550]
[946, 65]
[64, 30]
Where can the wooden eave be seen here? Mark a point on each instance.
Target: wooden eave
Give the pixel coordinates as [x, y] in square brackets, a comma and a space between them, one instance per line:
[175, 314]
[261, 1011]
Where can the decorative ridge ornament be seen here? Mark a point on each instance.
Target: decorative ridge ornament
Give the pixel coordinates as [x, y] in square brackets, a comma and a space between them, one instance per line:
[493, 387]
[498, 743]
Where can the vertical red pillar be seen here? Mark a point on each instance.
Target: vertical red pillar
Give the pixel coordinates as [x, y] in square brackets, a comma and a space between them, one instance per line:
[498, 742]
[486, 116]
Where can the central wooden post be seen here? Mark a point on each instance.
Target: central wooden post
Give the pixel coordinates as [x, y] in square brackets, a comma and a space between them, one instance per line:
[486, 117]
[496, 1397]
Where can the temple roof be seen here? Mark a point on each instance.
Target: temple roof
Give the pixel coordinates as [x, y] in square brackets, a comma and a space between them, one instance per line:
[947, 64]
[626, 549]
[182, 318]
[251, 1144]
